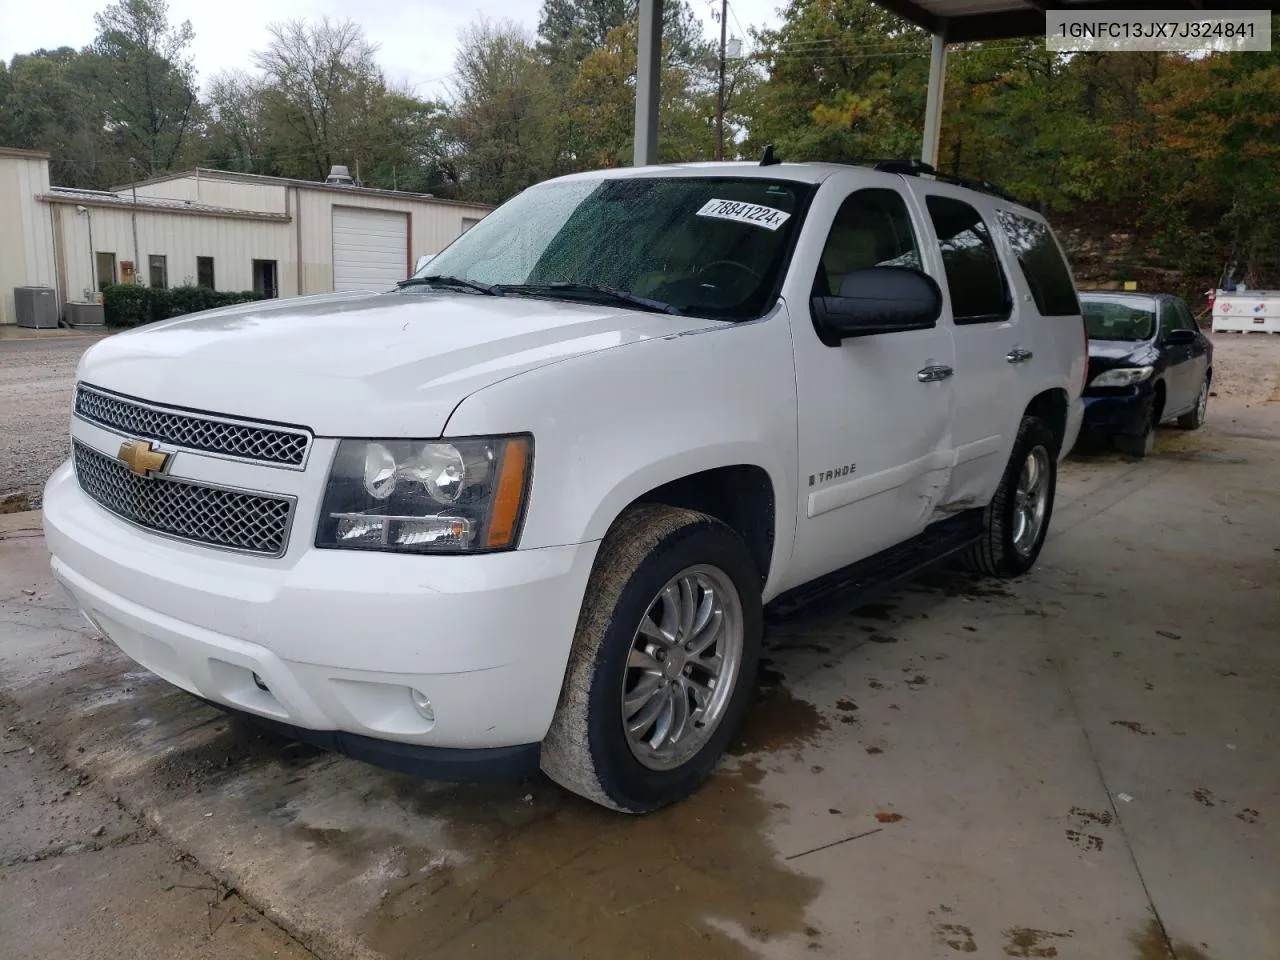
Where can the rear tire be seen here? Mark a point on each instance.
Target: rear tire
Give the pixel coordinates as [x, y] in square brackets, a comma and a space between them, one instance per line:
[672, 590]
[1016, 520]
[1194, 418]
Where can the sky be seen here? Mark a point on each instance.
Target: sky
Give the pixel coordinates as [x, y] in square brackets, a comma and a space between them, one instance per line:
[416, 37]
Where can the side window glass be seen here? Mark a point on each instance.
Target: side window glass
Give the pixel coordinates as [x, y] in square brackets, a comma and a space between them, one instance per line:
[1042, 265]
[872, 229]
[1187, 316]
[1172, 318]
[979, 290]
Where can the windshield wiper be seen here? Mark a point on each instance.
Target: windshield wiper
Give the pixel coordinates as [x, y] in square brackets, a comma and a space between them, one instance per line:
[439, 280]
[595, 290]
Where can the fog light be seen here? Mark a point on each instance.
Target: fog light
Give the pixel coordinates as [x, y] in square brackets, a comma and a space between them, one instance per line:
[422, 704]
[260, 683]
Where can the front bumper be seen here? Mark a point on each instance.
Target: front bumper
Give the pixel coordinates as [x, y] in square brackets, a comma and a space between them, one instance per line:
[338, 639]
[1119, 411]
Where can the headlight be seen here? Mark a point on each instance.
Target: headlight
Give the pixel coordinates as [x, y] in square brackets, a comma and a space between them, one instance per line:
[426, 496]
[1122, 377]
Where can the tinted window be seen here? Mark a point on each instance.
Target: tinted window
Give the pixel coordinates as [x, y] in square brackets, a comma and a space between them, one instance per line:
[1114, 318]
[1185, 321]
[979, 291]
[711, 246]
[1042, 265]
[871, 229]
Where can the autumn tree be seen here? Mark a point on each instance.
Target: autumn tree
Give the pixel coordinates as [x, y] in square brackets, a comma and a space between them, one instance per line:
[602, 107]
[846, 81]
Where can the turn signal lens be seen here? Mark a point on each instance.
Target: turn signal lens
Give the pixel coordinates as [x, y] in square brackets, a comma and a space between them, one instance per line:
[509, 501]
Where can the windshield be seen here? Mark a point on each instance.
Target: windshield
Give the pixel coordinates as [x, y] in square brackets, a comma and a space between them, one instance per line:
[708, 246]
[1133, 318]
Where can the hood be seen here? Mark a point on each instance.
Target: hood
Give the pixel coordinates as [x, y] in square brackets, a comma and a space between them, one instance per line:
[390, 365]
[1109, 354]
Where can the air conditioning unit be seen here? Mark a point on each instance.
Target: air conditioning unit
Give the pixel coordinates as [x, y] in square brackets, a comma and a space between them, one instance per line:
[85, 315]
[36, 307]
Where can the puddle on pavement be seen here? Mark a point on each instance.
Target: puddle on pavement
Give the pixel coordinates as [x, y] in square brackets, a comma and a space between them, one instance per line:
[554, 877]
[951, 582]
[777, 720]
[520, 869]
[561, 877]
[1151, 943]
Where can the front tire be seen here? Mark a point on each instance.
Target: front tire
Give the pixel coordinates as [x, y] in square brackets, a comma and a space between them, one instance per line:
[663, 663]
[1016, 520]
[1194, 419]
[1139, 445]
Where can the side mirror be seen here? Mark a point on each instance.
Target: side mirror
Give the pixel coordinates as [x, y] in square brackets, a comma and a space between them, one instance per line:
[422, 262]
[878, 300]
[1180, 338]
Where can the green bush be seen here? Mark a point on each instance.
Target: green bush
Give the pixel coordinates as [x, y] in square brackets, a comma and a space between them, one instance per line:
[126, 305]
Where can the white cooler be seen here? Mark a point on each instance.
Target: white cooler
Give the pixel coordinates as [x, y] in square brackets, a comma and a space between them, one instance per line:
[1256, 311]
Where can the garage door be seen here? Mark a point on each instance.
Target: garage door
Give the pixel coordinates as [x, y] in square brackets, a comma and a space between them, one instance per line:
[370, 249]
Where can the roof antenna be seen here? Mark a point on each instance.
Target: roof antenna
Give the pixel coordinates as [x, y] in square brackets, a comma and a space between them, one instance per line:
[769, 160]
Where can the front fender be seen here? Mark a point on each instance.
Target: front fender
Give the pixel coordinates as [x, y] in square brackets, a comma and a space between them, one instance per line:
[611, 426]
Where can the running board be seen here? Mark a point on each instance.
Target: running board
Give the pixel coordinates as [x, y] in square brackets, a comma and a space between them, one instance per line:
[881, 571]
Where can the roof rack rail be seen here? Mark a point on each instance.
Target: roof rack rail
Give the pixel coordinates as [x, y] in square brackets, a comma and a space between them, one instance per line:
[911, 167]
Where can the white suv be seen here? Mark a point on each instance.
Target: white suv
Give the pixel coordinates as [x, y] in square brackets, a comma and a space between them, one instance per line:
[527, 509]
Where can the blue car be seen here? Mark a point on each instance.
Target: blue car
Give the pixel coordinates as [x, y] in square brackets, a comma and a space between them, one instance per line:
[1148, 363]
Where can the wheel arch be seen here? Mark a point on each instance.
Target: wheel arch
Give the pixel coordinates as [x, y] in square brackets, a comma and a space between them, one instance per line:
[741, 495]
[1051, 406]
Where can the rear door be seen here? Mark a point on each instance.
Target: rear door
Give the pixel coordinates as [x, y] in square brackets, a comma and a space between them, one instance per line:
[987, 331]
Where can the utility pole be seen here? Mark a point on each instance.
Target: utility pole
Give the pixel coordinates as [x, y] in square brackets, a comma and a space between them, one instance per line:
[133, 177]
[724, 26]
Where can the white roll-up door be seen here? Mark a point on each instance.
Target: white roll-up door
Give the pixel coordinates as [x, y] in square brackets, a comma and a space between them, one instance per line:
[370, 248]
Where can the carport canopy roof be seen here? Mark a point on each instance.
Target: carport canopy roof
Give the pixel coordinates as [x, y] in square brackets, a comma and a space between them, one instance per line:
[950, 21]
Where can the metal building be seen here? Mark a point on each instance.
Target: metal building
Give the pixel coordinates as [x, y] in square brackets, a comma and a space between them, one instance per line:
[227, 231]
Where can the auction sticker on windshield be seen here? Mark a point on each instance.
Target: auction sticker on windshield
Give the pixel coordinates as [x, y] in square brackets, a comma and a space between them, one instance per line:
[752, 213]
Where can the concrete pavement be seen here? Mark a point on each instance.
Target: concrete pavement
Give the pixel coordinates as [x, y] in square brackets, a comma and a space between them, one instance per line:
[1076, 764]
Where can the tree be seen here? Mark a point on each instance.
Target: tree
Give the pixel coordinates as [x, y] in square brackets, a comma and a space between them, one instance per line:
[569, 30]
[237, 134]
[602, 100]
[505, 114]
[1215, 192]
[147, 81]
[320, 79]
[846, 81]
[51, 100]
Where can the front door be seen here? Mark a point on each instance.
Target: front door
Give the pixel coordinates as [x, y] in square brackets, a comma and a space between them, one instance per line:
[874, 411]
[1186, 360]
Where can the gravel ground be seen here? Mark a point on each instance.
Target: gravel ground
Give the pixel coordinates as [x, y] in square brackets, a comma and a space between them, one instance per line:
[36, 378]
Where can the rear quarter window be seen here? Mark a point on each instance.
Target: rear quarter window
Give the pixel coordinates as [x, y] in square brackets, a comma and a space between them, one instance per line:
[1042, 265]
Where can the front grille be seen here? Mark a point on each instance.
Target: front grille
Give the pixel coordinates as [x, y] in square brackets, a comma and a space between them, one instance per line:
[274, 445]
[252, 522]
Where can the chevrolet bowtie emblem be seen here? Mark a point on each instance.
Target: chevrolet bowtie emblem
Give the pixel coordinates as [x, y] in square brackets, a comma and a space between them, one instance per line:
[142, 458]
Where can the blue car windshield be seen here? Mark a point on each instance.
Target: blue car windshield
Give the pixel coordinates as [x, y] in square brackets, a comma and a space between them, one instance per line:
[707, 246]
[1131, 318]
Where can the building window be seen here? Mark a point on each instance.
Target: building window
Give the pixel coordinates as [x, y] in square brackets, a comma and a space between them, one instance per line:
[469, 222]
[264, 278]
[159, 268]
[204, 272]
[106, 266]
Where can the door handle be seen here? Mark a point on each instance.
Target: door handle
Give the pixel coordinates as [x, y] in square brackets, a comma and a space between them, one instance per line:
[934, 373]
[1018, 355]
